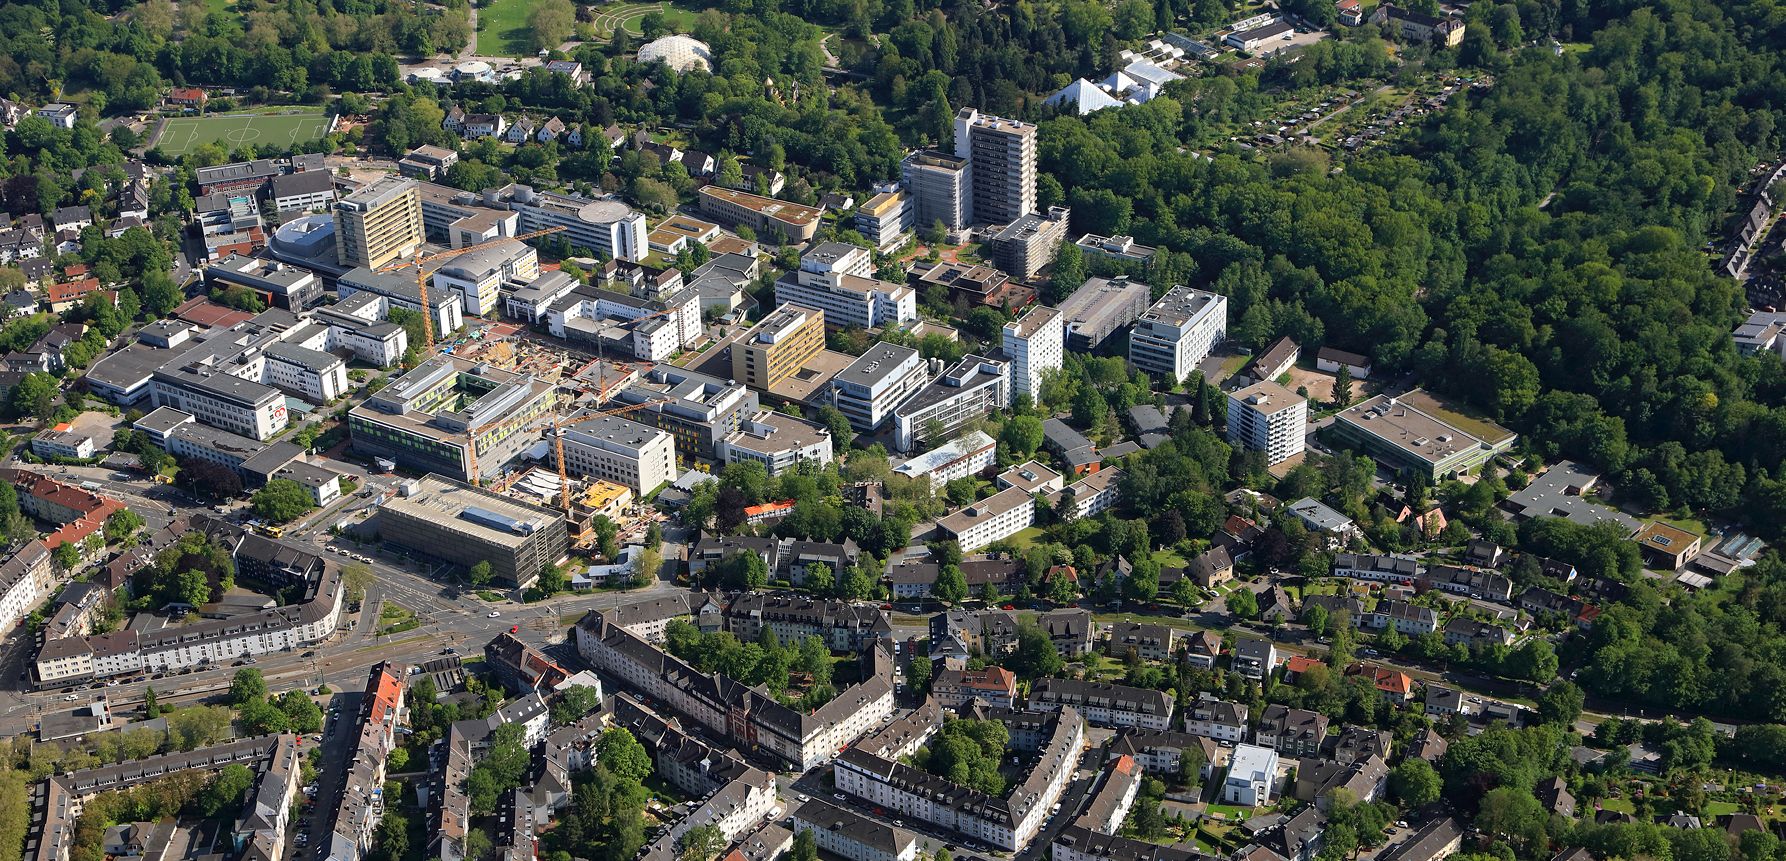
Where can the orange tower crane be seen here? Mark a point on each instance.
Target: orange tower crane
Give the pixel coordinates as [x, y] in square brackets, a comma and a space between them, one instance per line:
[564, 484]
[420, 260]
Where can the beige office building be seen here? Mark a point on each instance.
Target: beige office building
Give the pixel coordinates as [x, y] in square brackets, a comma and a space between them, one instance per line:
[379, 223]
[779, 346]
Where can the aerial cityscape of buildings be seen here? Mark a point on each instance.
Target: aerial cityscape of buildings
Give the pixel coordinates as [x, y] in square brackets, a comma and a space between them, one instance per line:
[1094, 432]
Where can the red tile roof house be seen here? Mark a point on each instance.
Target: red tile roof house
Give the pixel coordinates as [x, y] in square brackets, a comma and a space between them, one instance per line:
[67, 294]
[190, 97]
[1393, 685]
[80, 513]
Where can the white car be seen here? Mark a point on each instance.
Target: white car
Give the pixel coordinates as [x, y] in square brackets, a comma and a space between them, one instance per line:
[71, 698]
[494, 614]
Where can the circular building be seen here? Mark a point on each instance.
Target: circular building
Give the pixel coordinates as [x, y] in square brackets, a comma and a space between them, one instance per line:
[682, 53]
[430, 75]
[474, 70]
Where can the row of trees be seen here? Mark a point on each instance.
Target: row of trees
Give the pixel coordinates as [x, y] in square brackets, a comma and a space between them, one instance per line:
[260, 713]
[766, 662]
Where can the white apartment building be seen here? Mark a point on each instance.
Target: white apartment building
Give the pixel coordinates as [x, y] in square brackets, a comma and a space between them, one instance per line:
[778, 442]
[882, 378]
[1000, 515]
[1089, 496]
[212, 641]
[1252, 773]
[836, 278]
[1008, 823]
[1035, 343]
[1217, 719]
[1270, 418]
[844, 832]
[1178, 332]
[975, 387]
[26, 578]
[614, 641]
[969, 455]
[55, 443]
[621, 451]
[479, 276]
[607, 227]
[1104, 704]
[734, 809]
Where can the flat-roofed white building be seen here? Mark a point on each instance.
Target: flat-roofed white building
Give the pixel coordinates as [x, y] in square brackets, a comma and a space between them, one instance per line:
[1270, 418]
[1035, 343]
[1178, 332]
[879, 380]
[625, 452]
[1252, 775]
[837, 277]
[959, 458]
[1089, 496]
[975, 386]
[778, 442]
[479, 276]
[1000, 515]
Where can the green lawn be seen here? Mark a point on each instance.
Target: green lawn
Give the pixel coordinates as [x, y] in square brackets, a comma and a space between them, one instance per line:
[1617, 805]
[502, 29]
[1230, 812]
[1026, 537]
[1469, 423]
[1695, 526]
[395, 619]
[181, 135]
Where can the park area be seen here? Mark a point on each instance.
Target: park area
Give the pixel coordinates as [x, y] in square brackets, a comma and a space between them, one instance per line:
[503, 29]
[181, 135]
[631, 17]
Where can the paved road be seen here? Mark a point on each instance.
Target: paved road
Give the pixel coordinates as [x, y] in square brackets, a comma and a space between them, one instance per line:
[449, 617]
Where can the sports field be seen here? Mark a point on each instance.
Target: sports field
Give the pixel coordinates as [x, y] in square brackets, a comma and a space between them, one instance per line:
[181, 135]
[502, 29]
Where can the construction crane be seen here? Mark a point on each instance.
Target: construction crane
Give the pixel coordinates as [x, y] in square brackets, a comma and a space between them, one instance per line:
[602, 395]
[564, 483]
[420, 260]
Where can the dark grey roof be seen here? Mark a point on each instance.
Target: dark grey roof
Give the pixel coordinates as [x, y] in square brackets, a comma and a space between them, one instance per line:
[1114, 848]
[850, 825]
[876, 364]
[306, 182]
[1076, 693]
[1432, 839]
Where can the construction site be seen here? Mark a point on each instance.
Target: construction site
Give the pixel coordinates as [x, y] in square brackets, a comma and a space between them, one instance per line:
[510, 353]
